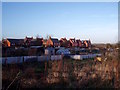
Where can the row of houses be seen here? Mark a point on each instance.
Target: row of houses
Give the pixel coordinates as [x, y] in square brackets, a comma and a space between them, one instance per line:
[53, 42]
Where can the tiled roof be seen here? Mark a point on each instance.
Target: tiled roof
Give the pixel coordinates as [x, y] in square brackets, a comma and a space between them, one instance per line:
[55, 40]
[15, 40]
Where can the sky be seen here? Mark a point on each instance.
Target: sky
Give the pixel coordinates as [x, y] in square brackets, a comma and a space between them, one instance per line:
[84, 20]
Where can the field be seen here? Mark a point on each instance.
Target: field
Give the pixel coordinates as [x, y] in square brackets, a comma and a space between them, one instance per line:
[63, 73]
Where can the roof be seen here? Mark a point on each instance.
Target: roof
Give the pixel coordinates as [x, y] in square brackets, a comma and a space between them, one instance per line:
[39, 38]
[73, 40]
[78, 40]
[88, 41]
[33, 40]
[55, 40]
[64, 39]
[28, 39]
[15, 40]
[36, 41]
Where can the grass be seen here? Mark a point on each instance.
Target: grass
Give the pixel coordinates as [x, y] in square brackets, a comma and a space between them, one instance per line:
[71, 74]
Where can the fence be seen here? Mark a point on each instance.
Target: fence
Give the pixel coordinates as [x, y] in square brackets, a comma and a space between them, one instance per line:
[12, 60]
[81, 57]
[56, 57]
[43, 58]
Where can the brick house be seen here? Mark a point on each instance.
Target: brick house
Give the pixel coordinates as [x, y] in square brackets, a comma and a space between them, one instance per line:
[45, 42]
[13, 42]
[86, 43]
[36, 50]
[5, 43]
[27, 41]
[79, 43]
[73, 42]
[36, 42]
[64, 42]
[54, 42]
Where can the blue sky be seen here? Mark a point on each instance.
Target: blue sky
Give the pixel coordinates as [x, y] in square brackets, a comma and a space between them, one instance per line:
[95, 21]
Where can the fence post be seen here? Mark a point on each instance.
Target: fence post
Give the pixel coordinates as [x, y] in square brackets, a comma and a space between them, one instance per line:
[5, 60]
[45, 66]
[61, 62]
[23, 59]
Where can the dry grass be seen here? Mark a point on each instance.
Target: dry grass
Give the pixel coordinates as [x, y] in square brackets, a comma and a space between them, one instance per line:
[65, 73]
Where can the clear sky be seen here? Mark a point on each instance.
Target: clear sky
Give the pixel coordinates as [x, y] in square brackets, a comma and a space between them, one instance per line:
[95, 21]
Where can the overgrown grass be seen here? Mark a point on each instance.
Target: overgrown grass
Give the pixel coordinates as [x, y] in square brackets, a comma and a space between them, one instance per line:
[64, 73]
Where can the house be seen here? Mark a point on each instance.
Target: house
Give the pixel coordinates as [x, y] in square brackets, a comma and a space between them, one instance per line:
[36, 42]
[5, 43]
[87, 43]
[13, 42]
[73, 42]
[36, 51]
[27, 41]
[79, 43]
[54, 42]
[45, 42]
[64, 42]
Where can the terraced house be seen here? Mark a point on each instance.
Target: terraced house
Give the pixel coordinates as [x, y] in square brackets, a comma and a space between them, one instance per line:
[53, 42]
[64, 42]
[27, 41]
[73, 42]
[9, 42]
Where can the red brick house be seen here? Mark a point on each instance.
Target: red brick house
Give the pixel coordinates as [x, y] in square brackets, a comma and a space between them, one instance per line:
[13, 42]
[79, 43]
[54, 42]
[45, 42]
[86, 43]
[73, 43]
[64, 42]
[5, 43]
[27, 40]
[36, 42]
